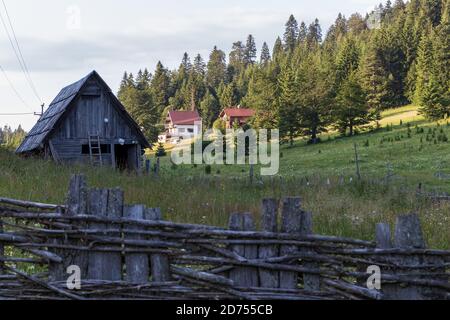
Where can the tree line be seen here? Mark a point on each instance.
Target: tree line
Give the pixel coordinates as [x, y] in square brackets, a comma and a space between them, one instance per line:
[10, 138]
[310, 82]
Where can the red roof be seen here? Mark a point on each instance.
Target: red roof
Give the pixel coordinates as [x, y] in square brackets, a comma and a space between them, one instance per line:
[238, 112]
[184, 117]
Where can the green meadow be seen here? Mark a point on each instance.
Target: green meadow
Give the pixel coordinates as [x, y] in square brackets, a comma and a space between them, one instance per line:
[394, 158]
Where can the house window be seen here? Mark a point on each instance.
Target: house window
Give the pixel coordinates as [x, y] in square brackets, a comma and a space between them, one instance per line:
[181, 130]
[105, 148]
[190, 130]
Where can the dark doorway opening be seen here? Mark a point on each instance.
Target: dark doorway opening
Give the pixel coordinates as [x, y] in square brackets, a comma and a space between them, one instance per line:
[125, 157]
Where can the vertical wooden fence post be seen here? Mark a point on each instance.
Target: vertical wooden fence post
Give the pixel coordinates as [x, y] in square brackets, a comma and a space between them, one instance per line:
[244, 276]
[2, 250]
[269, 279]
[76, 204]
[407, 234]
[160, 264]
[104, 203]
[290, 223]
[311, 282]
[136, 263]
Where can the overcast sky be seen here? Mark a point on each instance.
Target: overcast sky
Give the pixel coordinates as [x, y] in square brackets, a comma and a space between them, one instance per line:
[63, 40]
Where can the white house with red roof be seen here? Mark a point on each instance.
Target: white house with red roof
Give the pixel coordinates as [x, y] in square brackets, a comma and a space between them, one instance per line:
[182, 125]
[237, 115]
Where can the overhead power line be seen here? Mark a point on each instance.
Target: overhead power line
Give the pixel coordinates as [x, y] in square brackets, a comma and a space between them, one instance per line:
[14, 88]
[17, 114]
[17, 51]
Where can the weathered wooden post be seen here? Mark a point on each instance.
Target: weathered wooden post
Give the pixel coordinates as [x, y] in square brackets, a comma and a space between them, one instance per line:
[294, 220]
[251, 173]
[148, 165]
[157, 167]
[269, 279]
[408, 235]
[244, 276]
[290, 223]
[160, 264]
[137, 268]
[2, 250]
[311, 282]
[105, 203]
[76, 204]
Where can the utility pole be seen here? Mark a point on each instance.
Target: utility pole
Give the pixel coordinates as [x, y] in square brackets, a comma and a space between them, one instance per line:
[42, 111]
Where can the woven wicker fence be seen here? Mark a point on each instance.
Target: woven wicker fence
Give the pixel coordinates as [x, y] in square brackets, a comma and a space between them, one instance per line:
[130, 252]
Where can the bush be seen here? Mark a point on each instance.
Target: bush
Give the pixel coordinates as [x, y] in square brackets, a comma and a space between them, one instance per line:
[161, 152]
[208, 169]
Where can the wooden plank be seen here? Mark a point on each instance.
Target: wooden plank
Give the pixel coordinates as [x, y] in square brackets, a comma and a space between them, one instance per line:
[311, 282]
[269, 279]
[160, 264]
[290, 223]
[76, 204]
[137, 267]
[244, 276]
[2, 250]
[114, 211]
[105, 203]
[407, 234]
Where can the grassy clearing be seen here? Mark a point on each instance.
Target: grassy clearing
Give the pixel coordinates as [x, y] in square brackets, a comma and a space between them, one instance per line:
[187, 194]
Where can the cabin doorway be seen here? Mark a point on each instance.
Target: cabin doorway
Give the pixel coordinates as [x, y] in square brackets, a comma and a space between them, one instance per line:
[125, 156]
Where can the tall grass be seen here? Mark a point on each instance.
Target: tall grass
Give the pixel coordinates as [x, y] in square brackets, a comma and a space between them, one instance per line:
[345, 209]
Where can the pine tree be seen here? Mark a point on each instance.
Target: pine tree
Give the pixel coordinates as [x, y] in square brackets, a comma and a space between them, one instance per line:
[265, 54]
[160, 87]
[291, 34]
[314, 34]
[302, 33]
[217, 68]
[199, 65]
[250, 51]
[423, 69]
[209, 109]
[374, 77]
[288, 105]
[277, 48]
[347, 60]
[262, 96]
[351, 107]
[237, 57]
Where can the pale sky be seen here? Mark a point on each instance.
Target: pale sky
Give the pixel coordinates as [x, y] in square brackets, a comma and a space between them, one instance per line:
[61, 46]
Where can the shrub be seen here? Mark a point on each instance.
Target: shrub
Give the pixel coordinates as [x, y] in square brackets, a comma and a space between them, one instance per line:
[208, 169]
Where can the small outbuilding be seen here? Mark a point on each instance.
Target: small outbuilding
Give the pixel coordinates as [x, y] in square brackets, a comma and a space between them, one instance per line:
[86, 123]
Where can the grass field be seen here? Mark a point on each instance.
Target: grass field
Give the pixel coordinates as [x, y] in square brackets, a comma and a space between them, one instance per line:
[187, 194]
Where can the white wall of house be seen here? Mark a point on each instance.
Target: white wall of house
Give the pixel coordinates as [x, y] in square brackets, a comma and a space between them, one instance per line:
[185, 131]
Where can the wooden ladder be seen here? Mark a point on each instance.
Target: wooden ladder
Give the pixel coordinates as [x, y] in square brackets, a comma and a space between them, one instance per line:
[95, 149]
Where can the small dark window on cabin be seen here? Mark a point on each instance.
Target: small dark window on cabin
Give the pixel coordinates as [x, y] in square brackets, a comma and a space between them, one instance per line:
[191, 130]
[105, 148]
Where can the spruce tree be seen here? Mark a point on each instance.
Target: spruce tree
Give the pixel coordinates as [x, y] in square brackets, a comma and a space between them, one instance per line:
[217, 68]
[250, 51]
[265, 54]
[291, 34]
[351, 108]
[288, 105]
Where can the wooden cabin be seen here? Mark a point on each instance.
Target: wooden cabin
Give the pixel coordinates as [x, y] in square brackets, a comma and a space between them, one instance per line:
[86, 123]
